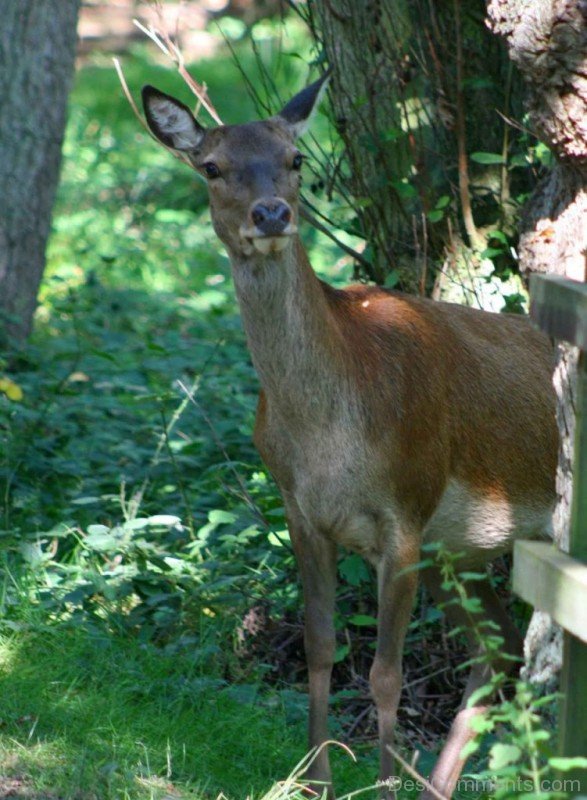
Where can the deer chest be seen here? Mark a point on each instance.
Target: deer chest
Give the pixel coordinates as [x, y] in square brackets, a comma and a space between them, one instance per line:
[332, 481]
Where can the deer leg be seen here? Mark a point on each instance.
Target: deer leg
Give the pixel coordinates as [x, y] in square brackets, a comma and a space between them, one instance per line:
[396, 592]
[316, 558]
[450, 764]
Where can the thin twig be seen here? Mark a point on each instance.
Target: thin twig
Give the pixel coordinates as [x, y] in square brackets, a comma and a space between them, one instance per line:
[220, 444]
[515, 124]
[309, 217]
[166, 44]
[472, 233]
[416, 775]
[504, 194]
[176, 153]
[129, 97]
[358, 719]
[427, 677]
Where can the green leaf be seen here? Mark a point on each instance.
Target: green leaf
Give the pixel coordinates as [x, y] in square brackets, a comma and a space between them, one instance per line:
[164, 519]
[220, 517]
[443, 201]
[435, 215]
[431, 547]
[480, 694]
[405, 190]
[97, 530]
[471, 747]
[537, 795]
[99, 538]
[278, 538]
[432, 614]
[519, 160]
[172, 215]
[565, 764]
[503, 754]
[492, 252]
[392, 135]
[487, 158]
[363, 620]
[353, 569]
[341, 653]
[499, 235]
[392, 279]
[136, 524]
[102, 354]
[424, 564]
[478, 83]
[85, 501]
[472, 604]
[481, 723]
[473, 576]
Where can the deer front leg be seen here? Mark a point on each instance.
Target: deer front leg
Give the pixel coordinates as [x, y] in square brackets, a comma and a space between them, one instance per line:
[316, 558]
[450, 764]
[396, 592]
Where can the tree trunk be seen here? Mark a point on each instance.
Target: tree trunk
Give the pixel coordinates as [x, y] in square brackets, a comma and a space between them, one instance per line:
[547, 39]
[358, 39]
[414, 90]
[37, 52]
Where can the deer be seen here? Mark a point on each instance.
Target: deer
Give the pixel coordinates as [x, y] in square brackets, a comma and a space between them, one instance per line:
[387, 420]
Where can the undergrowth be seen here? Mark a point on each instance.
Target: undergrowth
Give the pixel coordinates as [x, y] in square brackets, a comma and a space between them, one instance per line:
[138, 527]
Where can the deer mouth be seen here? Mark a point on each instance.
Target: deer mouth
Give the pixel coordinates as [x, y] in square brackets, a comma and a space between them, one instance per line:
[270, 244]
[266, 243]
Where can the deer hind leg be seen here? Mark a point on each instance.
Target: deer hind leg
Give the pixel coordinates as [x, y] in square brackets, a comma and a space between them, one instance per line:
[396, 593]
[449, 766]
[316, 558]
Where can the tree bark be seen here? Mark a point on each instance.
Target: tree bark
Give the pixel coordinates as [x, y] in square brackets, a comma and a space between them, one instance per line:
[361, 43]
[547, 39]
[37, 53]
[414, 90]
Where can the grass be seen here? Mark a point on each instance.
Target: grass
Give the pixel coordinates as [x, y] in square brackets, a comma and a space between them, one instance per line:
[90, 715]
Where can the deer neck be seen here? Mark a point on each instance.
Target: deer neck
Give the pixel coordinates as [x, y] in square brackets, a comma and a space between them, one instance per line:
[290, 329]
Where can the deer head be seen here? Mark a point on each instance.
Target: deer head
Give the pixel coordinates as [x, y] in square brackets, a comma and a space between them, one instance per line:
[252, 170]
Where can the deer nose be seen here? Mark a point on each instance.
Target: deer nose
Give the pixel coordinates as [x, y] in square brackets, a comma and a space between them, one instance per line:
[271, 218]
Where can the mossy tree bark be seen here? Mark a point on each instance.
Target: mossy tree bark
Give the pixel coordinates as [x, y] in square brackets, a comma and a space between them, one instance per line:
[547, 39]
[37, 52]
[414, 90]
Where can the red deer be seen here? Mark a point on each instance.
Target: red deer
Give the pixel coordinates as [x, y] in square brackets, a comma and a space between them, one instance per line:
[387, 420]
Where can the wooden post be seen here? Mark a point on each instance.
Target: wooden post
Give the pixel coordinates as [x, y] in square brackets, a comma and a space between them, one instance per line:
[559, 307]
[573, 720]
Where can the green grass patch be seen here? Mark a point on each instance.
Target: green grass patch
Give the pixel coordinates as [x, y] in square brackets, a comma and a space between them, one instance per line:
[89, 715]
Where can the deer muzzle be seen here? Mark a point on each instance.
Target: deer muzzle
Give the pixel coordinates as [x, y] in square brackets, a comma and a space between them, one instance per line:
[270, 226]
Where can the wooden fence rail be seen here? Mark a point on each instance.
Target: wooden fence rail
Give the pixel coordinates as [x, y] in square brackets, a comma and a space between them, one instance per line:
[550, 580]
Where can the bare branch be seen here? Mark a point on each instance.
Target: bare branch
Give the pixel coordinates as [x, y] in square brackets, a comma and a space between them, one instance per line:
[309, 217]
[415, 774]
[162, 38]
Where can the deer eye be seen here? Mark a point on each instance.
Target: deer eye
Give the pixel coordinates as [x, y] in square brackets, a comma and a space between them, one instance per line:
[297, 161]
[211, 170]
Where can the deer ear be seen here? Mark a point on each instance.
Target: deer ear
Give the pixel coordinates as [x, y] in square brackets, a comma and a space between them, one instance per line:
[171, 121]
[298, 112]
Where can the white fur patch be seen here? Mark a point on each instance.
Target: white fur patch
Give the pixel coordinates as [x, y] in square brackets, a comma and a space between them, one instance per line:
[177, 123]
[482, 526]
